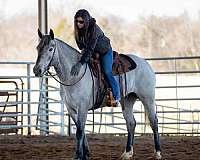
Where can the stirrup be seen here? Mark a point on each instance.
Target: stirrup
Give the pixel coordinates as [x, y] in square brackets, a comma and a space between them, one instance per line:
[110, 101]
[113, 103]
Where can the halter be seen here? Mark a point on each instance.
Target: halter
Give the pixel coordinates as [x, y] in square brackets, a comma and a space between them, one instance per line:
[53, 76]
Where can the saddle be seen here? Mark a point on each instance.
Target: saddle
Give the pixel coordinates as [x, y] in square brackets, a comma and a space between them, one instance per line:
[121, 64]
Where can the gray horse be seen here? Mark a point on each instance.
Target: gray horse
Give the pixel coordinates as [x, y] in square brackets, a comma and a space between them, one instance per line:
[78, 96]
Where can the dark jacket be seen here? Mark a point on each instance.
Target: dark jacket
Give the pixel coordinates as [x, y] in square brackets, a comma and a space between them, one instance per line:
[91, 38]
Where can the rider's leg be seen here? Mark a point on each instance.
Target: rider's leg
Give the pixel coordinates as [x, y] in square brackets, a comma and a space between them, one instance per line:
[107, 61]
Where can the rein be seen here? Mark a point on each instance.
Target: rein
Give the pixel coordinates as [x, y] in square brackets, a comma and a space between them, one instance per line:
[53, 76]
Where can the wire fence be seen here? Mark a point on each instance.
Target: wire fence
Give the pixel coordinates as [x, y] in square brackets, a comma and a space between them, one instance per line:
[177, 103]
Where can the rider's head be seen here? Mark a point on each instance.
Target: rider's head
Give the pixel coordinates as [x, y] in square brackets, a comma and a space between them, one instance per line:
[83, 23]
[82, 19]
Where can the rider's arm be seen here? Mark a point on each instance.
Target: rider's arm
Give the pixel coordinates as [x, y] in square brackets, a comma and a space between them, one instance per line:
[79, 44]
[92, 41]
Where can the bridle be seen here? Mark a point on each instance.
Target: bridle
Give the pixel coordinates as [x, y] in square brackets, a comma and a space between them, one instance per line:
[53, 76]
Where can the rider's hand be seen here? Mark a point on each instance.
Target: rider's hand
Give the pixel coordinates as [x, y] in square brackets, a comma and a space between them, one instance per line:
[76, 69]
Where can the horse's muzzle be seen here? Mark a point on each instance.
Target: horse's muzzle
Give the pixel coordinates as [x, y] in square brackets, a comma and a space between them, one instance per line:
[38, 71]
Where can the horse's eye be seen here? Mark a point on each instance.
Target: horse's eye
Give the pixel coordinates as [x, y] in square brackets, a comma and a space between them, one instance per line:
[51, 49]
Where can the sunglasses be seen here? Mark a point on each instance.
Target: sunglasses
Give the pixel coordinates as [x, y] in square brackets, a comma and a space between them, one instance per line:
[81, 22]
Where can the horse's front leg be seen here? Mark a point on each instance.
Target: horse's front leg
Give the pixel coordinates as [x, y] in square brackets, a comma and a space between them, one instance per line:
[86, 151]
[74, 115]
[80, 135]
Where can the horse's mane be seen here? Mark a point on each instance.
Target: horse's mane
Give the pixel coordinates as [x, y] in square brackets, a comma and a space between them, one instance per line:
[67, 45]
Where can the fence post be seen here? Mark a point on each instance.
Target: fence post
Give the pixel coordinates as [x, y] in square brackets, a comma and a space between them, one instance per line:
[62, 126]
[29, 97]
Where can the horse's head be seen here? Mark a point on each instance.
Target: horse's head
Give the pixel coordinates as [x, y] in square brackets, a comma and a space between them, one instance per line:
[46, 50]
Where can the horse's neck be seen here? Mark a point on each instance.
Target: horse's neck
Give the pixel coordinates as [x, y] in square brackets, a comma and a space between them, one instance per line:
[66, 58]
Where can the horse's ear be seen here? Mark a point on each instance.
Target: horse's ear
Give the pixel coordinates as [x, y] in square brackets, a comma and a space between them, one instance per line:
[39, 33]
[51, 34]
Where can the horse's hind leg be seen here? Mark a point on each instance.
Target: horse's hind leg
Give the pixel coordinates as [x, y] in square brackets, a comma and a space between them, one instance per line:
[130, 124]
[149, 105]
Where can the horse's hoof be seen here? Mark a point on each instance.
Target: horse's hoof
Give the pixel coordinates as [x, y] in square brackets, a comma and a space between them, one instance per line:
[127, 155]
[158, 155]
[76, 157]
[86, 157]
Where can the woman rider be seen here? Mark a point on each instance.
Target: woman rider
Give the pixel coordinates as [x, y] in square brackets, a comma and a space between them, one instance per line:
[91, 39]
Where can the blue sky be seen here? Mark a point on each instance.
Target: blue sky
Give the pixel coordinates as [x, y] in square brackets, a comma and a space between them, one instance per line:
[127, 9]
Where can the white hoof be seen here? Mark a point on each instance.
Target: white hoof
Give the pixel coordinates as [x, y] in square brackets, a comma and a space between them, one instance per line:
[158, 155]
[127, 155]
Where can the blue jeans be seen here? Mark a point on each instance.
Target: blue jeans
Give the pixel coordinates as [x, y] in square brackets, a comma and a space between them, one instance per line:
[107, 61]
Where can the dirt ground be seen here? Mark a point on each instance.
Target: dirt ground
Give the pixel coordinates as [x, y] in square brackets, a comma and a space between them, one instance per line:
[102, 147]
